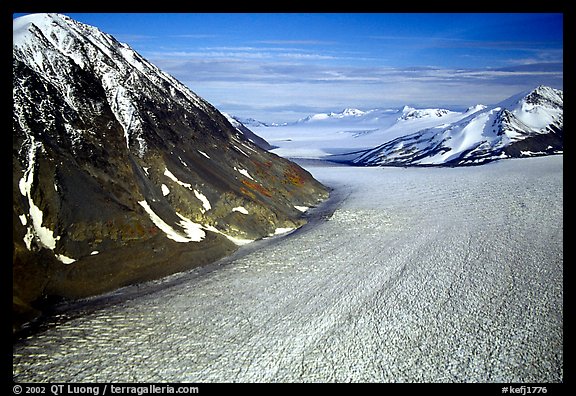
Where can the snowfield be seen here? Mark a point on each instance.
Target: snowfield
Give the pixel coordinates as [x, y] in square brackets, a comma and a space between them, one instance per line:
[420, 275]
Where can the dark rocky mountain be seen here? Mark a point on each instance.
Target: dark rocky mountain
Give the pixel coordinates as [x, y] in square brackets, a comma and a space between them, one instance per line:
[528, 124]
[121, 174]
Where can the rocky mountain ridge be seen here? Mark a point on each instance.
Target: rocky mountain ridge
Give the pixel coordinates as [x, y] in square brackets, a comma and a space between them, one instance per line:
[121, 174]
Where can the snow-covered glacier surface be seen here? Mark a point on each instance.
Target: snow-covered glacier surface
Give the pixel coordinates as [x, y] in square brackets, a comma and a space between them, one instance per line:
[420, 275]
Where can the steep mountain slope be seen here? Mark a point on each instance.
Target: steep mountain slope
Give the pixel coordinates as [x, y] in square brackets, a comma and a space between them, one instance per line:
[248, 134]
[122, 174]
[527, 124]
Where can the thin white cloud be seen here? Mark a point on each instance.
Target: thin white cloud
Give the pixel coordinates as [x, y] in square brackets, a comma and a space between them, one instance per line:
[241, 53]
[134, 38]
[263, 86]
[539, 56]
[196, 36]
[457, 42]
[297, 42]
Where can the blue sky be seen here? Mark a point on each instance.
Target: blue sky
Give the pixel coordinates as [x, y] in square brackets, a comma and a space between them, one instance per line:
[280, 67]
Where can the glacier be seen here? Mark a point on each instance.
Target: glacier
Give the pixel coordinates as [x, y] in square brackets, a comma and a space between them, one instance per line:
[417, 275]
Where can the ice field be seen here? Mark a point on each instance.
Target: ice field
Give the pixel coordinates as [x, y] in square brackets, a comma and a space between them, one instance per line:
[420, 275]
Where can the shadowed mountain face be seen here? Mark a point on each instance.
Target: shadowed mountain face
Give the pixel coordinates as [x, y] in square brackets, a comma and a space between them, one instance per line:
[121, 174]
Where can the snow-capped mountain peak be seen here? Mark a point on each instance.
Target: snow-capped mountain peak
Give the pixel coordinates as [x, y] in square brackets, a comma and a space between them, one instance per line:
[537, 108]
[410, 113]
[56, 45]
[475, 108]
[349, 112]
[542, 96]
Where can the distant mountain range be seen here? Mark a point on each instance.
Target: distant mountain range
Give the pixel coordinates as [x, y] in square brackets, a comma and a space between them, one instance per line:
[527, 124]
